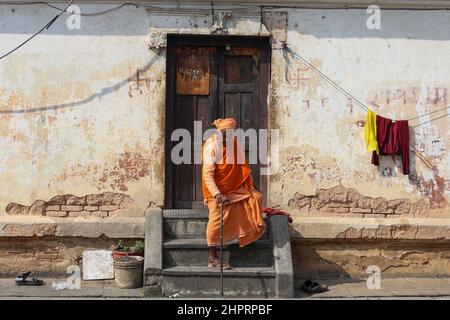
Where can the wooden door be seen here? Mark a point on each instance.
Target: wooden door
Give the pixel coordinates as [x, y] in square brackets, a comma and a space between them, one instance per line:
[238, 82]
[239, 93]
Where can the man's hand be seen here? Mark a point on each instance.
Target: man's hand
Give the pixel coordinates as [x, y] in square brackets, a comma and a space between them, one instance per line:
[220, 198]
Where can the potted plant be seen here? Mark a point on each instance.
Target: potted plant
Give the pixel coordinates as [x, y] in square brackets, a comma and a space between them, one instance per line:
[128, 271]
[122, 250]
[128, 264]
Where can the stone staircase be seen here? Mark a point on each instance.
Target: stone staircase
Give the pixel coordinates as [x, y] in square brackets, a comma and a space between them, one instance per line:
[261, 269]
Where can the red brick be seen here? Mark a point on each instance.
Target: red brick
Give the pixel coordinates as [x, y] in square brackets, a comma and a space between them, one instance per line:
[109, 208]
[71, 208]
[56, 213]
[375, 215]
[47, 255]
[53, 208]
[341, 210]
[386, 211]
[102, 214]
[360, 210]
[91, 208]
[79, 214]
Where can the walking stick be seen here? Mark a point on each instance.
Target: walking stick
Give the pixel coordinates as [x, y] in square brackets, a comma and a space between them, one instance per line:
[221, 249]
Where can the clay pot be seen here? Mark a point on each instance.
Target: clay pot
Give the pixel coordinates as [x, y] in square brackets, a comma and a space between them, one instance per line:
[118, 254]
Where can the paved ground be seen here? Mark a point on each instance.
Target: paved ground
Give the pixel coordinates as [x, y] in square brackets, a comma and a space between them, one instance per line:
[89, 289]
[417, 288]
[389, 288]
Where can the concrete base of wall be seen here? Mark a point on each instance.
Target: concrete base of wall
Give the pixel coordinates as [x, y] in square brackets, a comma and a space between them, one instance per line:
[48, 246]
[321, 247]
[329, 248]
[351, 259]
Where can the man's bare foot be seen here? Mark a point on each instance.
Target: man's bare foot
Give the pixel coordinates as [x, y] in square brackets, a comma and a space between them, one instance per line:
[215, 263]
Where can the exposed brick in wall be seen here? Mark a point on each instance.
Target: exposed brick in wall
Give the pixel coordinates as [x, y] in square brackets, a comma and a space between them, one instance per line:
[102, 205]
[349, 202]
[47, 255]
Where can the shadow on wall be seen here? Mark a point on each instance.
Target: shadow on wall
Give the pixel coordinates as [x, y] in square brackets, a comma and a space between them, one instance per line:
[105, 91]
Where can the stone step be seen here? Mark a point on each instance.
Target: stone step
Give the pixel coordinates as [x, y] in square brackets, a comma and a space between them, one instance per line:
[194, 252]
[190, 224]
[201, 281]
[186, 213]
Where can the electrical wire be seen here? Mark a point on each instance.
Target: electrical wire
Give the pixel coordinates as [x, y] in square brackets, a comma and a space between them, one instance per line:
[93, 14]
[360, 104]
[285, 47]
[36, 33]
[270, 7]
[345, 92]
[322, 75]
[99, 13]
[420, 124]
[428, 113]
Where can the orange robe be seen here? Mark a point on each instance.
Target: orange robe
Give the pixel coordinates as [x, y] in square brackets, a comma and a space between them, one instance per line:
[242, 216]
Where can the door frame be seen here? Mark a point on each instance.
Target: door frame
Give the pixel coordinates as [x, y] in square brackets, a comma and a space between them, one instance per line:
[173, 40]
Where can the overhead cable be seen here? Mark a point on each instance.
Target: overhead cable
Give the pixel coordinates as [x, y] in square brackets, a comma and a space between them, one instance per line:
[37, 32]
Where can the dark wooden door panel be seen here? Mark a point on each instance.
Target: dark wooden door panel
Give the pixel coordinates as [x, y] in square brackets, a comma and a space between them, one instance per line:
[183, 173]
[239, 94]
[237, 88]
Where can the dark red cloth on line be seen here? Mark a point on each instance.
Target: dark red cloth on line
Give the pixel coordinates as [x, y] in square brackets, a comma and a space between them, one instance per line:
[393, 139]
[273, 212]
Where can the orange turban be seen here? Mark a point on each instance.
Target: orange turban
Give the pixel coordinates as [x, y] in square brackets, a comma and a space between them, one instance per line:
[223, 124]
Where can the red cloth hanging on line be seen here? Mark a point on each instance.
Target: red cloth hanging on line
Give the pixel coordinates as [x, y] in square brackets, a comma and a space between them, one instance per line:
[393, 139]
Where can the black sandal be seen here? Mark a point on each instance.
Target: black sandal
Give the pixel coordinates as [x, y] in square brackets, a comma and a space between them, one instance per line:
[22, 280]
[312, 287]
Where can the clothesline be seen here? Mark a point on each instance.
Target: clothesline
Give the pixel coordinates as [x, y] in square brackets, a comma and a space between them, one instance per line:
[443, 116]
[345, 92]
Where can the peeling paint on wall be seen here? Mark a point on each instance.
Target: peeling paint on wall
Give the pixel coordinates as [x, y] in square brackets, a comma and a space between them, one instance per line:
[322, 129]
[97, 124]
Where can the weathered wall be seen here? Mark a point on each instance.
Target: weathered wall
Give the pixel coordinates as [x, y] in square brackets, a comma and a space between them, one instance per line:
[82, 119]
[344, 259]
[81, 111]
[49, 255]
[401, 71]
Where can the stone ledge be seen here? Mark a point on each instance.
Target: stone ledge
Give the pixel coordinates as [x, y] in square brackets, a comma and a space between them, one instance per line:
[329, 228]
[37, 226]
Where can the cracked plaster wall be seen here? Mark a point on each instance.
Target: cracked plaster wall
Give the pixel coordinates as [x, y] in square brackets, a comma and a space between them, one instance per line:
[82, 111]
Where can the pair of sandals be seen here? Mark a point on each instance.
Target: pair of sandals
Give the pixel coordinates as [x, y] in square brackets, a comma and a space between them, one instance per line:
[311, 287]
[215, 263]
[22, 280]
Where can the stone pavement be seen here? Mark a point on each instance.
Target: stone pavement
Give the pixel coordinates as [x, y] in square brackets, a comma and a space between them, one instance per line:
[89, 290]
[417, 288]
[390, 288]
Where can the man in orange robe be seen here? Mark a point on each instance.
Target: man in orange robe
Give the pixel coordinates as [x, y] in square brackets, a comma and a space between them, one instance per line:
[226, 179]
